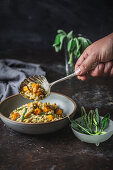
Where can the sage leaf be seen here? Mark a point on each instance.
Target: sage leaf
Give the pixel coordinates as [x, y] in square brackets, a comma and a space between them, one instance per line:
[61, 41]
[70, 35]
[76, 51]
[57, 48]
[89, 42]
[57, 40]
[61, 32]
[70, 62]
[71, 45]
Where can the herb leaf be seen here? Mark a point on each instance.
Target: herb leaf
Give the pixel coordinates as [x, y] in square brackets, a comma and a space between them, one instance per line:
[105, 121]
[97, 117]
[70, 35]
[62, 32]
[57, 40]
[20, 108]
[23, 114]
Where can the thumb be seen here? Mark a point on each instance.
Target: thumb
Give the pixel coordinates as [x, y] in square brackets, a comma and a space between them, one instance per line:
[86, 65]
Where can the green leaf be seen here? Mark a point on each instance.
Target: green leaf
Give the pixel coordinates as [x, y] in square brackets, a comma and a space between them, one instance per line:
[77, 43]
[83, 113]
[20, 108]
[61, 32]
[77, 49]
[23, 114]
[97, 118]
[84, 43]
[69, 45]
[84, 116]
[57, 40]
[57, 48]
[77, 54]
[70, 62]
[76, 125]
[61, 41]
[94, 120]
[90, 119]
[89, 42]
[105, 122]
[70, 35]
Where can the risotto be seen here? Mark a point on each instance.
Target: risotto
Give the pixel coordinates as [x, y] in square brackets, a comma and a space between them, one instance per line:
[37, 112]
[33, 91]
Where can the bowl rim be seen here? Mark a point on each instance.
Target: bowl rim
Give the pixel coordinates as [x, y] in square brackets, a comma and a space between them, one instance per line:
[23, 123]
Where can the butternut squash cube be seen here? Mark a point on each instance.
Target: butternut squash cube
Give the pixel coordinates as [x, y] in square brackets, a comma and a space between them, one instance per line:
[29, 104]
[15, 115]
[59, 112]
[50, 117]
[35, 87]
[46, 109]
[25, 88]
[37, 111]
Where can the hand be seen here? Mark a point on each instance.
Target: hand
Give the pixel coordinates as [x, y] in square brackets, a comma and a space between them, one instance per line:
[100, 52]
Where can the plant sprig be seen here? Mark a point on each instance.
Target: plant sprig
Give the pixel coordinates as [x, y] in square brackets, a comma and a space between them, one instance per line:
[91, 123]
[74, 45]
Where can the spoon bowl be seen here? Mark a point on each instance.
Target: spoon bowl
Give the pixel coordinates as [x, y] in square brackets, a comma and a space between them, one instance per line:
[38, 79]
[42, 81]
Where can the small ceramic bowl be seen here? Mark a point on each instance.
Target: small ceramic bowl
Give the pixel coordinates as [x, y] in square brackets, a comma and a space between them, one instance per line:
[12, 102]
[97, 139]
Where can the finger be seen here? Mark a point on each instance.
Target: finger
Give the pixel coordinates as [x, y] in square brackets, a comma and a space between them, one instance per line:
[81, 59]
[98, 71]
[83, 78]
[86, 65]
[107, 68]
[111, 72]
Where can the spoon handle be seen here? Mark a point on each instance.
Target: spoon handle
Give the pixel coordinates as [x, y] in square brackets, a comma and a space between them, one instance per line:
[62, 79]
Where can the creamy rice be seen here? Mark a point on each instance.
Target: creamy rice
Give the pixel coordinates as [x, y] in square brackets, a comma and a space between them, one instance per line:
[33, 91]
[37, 112]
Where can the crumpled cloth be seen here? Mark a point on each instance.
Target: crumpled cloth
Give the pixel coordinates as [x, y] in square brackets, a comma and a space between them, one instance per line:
[12, 73]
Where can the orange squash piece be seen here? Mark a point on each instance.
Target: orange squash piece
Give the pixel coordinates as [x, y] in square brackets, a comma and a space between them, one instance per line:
[35, 87]
[59, 112]
[39, 93]
[15, 115]
[25, 88]
[28, 104]
[37, 111]
[46, 109]
[50, 117]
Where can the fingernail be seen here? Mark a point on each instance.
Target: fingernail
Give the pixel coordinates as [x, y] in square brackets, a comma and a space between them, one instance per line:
[77, 72]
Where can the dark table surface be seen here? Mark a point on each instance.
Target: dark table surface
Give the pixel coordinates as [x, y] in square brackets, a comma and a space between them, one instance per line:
[60, 150]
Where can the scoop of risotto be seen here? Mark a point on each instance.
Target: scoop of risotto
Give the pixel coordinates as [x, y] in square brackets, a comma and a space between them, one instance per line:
[33, 91]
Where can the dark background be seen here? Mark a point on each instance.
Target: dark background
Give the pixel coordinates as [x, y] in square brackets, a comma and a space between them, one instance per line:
[27, 32]
[32, 24]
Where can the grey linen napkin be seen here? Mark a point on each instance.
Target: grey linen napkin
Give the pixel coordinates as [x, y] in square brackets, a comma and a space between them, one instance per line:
[13, 72]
